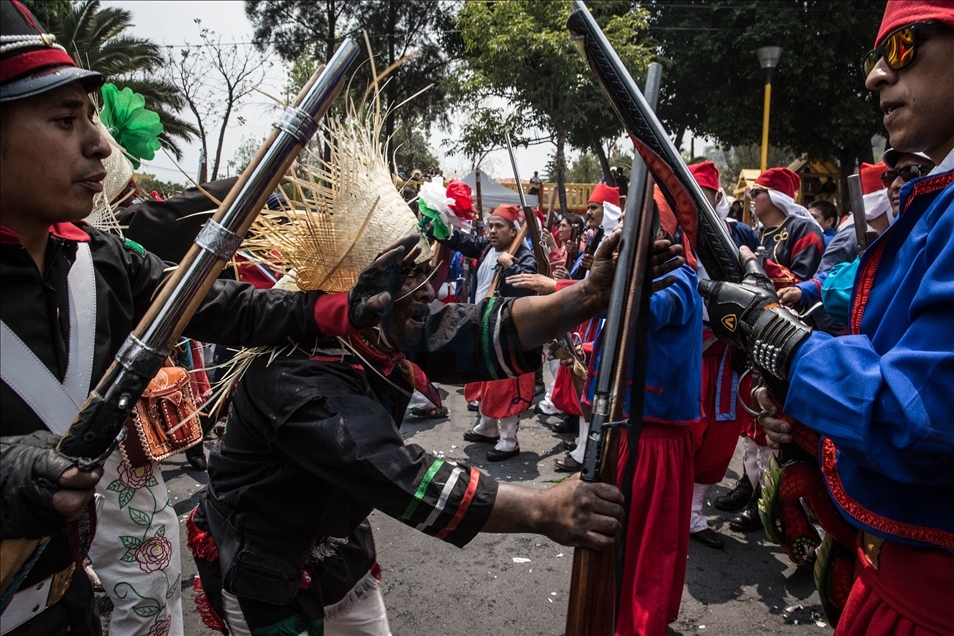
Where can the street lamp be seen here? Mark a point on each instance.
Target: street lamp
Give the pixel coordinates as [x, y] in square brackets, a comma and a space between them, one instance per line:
[768, 59]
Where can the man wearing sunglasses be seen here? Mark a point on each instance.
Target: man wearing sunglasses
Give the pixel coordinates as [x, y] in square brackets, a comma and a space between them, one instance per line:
[881, 396]
[902, 167]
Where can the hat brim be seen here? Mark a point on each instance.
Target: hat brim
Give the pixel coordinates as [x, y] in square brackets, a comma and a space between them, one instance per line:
[891, 156]
[48, 79]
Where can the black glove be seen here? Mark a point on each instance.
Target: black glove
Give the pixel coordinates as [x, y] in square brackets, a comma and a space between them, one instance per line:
[385, 274]
[748, 315]
[29, 471]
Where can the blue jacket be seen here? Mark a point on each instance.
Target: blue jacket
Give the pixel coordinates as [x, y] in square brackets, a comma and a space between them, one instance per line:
[478, 247]
[883, 397]
[674, 353]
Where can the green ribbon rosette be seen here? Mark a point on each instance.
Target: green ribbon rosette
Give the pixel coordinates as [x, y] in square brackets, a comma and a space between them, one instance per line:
[131, 124]
[439, 230]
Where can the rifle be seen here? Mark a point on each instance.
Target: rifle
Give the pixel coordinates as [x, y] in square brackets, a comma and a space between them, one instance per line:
[594, 588]
[858, 212]
[589, 250]
[539, 252]
[696, 216]
[98, 427]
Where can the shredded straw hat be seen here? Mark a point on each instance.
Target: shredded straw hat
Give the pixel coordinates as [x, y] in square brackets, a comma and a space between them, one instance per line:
[342, 213]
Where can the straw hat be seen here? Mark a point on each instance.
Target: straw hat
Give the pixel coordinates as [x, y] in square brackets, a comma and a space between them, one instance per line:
[343, 211]
[118, 174]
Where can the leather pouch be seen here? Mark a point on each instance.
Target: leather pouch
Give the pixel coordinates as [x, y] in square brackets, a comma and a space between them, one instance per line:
[164, 421]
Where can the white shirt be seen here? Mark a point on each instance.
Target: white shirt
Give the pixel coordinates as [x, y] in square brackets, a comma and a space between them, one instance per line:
[485, 274]
[945, 166]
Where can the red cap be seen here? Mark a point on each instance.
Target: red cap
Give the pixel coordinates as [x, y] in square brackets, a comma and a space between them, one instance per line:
[603, 193]
[781, 180]
[871, 176]
[510, 212]
[899, 13]
[706, 174]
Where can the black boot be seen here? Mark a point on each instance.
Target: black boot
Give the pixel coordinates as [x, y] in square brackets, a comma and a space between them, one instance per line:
[735, 499]
[748, 520]
[569, 425]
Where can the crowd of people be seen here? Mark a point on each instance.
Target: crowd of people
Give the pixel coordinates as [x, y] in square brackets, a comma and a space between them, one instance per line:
[831, 362]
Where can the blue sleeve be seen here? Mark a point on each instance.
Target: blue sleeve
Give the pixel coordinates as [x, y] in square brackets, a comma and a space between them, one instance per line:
[469, 246]
[675, 304]
[892, 413]
[811, 289]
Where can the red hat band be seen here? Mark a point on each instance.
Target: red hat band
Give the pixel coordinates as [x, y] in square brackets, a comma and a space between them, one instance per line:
[900, 13]
[507, 211]
[781, 180]
[603, 193]
[706, 174]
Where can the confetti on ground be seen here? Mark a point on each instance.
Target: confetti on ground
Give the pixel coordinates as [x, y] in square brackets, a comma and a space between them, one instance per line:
[521, 560]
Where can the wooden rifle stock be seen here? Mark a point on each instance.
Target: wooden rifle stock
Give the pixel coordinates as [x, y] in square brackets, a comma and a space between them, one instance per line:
[512, 250]
[98, 427]
[589, 250]
[594, 591]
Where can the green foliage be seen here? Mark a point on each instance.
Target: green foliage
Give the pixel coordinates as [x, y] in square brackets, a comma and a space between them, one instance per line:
[417, 31]
[412, 150]
[714, 86]
[520, 50]
[95, 37]
[148, 182]
[244, 154]
[585, 169]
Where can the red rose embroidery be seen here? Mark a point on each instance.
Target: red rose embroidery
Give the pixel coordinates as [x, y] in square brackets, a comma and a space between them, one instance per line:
[154, 554]
[161, 628]
[134, 478]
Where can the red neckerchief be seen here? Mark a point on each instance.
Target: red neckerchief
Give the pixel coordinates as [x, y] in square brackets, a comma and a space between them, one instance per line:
[64, 230]
[388, 362]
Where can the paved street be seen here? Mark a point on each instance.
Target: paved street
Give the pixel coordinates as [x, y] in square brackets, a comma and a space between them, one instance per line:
[433, 588]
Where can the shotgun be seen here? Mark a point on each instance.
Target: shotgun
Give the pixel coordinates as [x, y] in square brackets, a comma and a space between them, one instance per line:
[717, 251]
[539, 251]
[98, 428]
[594, 586]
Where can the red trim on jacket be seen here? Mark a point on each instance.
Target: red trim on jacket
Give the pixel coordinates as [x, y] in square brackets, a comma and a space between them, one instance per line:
[331, 315]
[871, 519]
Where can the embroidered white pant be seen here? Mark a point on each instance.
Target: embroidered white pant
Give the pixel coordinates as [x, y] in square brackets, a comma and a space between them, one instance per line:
[136, 550]
[755, 460]
[545, 404]
[507, 429]
[580, 449]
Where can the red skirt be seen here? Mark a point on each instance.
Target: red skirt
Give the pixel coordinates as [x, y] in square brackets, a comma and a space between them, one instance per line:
[503, 398]
[564, 395]
[910, 594]
[657, 535]
[716, 435]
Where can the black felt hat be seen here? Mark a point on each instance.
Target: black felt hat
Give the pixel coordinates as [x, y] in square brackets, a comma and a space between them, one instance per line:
[31, 62]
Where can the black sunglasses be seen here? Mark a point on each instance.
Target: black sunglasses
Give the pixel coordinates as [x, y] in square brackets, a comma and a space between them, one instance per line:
[898, 49]
[906, 173]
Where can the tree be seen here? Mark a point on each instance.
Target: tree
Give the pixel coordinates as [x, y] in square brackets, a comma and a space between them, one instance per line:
[586, 169]
[521, 51]
[417, 31]
[244, 154]
[148, 182]
[820, 107]
[95, 37]
[412, 150]
[214, 78]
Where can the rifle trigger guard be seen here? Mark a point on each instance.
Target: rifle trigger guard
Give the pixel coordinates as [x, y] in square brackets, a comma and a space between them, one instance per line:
[745, 402]
[297, 123]
[139, 358]
[217, 240]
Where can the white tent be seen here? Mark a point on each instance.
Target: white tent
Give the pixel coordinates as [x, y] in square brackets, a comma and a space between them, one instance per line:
[492, 193]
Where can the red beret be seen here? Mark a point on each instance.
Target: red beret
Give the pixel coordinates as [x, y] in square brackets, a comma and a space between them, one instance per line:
[781, 180]
[510, 212]
[899, 13]
[603, 193]
[706, 174]
[871, 176]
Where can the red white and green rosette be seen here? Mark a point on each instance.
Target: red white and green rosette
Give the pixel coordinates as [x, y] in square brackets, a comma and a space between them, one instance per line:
[446, 208]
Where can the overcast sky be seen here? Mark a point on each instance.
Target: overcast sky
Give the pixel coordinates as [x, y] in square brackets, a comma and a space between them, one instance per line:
[173, 23]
